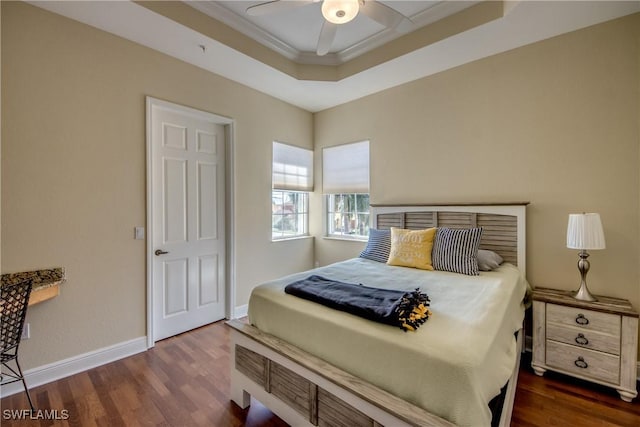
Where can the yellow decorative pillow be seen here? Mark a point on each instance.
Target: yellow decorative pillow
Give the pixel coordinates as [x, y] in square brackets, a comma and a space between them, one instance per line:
[411, 248]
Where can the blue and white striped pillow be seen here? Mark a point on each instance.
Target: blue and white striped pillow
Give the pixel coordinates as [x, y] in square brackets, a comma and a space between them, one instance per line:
[378, 246]
[457, 250]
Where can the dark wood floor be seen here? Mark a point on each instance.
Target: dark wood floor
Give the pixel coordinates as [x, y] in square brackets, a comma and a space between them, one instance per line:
[184, 381]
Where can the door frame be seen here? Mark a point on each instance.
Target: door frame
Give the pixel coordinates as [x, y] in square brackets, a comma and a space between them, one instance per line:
[230, 271]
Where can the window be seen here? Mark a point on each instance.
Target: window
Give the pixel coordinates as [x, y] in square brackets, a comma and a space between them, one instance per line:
[348, 215]
[290, 216]
[292, 179]
[345, 181]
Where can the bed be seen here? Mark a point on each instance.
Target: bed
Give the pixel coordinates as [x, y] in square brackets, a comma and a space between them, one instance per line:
[313, 365]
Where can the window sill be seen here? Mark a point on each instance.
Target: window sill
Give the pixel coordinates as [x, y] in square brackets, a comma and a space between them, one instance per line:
[288, 239]
[346, 239]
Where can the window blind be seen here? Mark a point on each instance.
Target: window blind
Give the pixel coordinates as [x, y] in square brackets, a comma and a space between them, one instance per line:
[292, 168]
[345, 168]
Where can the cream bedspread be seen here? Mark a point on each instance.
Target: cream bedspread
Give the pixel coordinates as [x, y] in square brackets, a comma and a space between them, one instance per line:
[452, 366]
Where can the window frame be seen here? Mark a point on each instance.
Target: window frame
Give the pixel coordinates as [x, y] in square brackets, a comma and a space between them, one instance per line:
[329, 215]
[304, 214]
[346, 171]
[292, 188]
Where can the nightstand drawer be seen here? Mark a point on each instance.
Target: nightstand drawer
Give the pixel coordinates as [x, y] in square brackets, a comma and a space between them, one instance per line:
[584, 319]
[583, 338]
[583, 362]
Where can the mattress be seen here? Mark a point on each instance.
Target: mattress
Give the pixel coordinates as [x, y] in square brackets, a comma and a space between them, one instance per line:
[452, 366]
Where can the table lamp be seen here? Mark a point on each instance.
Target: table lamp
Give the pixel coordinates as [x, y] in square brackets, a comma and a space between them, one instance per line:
[584, 232]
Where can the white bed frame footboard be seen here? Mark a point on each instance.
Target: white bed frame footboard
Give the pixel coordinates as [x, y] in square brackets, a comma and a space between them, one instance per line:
[304, 390]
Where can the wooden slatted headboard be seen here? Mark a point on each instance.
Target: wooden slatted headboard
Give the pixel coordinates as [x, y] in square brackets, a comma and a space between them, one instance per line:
[503, 225]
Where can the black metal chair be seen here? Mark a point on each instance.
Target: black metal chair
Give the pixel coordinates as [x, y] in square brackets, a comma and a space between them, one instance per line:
[14, 300]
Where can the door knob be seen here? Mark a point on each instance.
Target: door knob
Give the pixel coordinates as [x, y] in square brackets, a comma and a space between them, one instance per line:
[159, 252]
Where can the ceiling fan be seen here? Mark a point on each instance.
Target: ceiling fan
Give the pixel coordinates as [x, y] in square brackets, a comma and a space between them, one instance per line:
[337, 12]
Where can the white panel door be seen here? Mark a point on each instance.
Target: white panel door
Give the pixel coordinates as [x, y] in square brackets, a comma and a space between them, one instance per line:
[188, 234]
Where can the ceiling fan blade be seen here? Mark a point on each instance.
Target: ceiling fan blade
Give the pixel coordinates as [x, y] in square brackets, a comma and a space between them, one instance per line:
[386, 16]
[327, 35]
[275, 6]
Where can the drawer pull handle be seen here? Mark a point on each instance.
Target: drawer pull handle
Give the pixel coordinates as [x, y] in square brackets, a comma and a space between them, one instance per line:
[582, 340]
[580, 363]
[581, 320]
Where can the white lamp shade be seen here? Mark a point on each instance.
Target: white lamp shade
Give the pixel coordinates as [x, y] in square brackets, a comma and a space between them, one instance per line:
[340, 11]
[585, 231]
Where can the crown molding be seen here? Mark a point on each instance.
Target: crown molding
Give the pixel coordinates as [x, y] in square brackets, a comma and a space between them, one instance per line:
[421, 19]
[244, 26]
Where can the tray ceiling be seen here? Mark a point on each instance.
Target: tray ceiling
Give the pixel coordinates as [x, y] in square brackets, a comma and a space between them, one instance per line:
[197, 40]
[294, 33]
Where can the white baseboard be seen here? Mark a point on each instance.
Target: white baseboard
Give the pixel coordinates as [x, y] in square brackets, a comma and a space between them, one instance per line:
[82, 362]
[240, 311]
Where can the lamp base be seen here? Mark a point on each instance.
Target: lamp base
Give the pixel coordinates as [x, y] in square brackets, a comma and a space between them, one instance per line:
[583, 293]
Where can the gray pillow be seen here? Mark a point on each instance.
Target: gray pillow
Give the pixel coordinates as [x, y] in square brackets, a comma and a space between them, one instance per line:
[488, 260]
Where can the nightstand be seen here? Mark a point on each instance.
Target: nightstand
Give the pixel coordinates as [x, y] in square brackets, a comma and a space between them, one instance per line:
[595, 341]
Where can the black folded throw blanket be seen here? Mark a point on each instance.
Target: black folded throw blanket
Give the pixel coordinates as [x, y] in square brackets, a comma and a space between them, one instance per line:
[407, 310]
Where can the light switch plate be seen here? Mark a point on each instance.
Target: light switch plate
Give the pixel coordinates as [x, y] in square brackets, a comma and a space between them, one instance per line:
[139, 233]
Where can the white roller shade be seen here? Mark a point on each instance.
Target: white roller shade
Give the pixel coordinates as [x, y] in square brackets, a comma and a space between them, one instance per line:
[292, 168]
[345, 168]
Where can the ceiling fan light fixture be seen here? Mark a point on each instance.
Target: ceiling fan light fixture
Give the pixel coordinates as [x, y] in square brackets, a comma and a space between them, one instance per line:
[340, 11]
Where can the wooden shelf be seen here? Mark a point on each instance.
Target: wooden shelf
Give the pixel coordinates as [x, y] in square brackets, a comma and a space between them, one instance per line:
[44, 293]
[46, 283]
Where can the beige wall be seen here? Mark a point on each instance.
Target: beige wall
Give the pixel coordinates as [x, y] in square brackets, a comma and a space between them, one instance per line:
[561, 118]
[554, 123]
[0, 135]
[73, 173]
